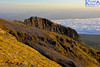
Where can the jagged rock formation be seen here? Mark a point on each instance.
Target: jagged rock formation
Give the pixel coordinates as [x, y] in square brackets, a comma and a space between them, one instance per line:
[46, 24]
[65, 50]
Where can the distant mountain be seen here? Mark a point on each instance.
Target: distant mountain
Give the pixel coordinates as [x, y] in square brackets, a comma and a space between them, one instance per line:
[91, 40]
[56, 42]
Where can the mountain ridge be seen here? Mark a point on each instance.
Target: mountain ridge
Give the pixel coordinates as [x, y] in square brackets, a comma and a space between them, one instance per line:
[62, 49]
[46, 24]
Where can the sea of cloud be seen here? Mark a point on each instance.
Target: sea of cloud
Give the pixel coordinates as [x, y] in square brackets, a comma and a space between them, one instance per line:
[86, 26]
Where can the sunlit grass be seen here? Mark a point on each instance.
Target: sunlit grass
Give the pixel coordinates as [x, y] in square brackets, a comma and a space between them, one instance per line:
[13, 52]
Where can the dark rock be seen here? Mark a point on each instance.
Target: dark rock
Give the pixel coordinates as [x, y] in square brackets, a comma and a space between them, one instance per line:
[98, 52]
[51, 41]
[72, 51]
[28, 44]
[46, 24]
[11, 32]
[91, 52]
[61, 39]
[57, 37]
[72, 64]
[67, 41]
[72, 45]
[42, 38]
[65, 47]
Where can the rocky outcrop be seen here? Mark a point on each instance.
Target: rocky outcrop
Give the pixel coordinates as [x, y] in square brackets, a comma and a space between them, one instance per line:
[46, 24]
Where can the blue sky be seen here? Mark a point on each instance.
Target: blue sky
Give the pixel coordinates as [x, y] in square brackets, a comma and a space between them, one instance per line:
[45, 1]
[72, 2]
[41, 4]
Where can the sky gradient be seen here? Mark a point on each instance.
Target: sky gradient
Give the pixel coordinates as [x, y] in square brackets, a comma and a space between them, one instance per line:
[50, 9]
[43, 3]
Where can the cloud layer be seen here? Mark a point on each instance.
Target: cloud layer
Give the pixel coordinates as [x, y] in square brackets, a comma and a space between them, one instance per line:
[87, 26]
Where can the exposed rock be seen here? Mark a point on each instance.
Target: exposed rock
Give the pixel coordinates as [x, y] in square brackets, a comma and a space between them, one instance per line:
[46, 24]
[51, 41]
[42, 38]
[67, 40]
[98, 52]
[61, 39]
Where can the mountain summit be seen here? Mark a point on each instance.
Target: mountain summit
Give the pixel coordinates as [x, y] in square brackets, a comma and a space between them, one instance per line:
[46, 24]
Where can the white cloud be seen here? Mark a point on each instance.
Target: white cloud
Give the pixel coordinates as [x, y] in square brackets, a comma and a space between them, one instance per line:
[81, 24]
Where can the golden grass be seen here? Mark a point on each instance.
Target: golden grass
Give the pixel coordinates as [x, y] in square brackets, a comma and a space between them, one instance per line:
[13, 52]
[87, 59]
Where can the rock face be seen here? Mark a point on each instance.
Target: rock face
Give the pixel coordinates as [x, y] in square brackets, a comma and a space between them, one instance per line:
[46, 24]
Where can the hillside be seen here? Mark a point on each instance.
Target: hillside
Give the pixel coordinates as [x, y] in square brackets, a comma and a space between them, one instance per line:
[91, 40]
[58, 43]
[16, 53]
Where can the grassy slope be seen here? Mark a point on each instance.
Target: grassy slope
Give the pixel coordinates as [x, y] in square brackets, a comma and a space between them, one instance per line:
[14, 52]
[91, 40]
[70, 48]
[80, 53]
